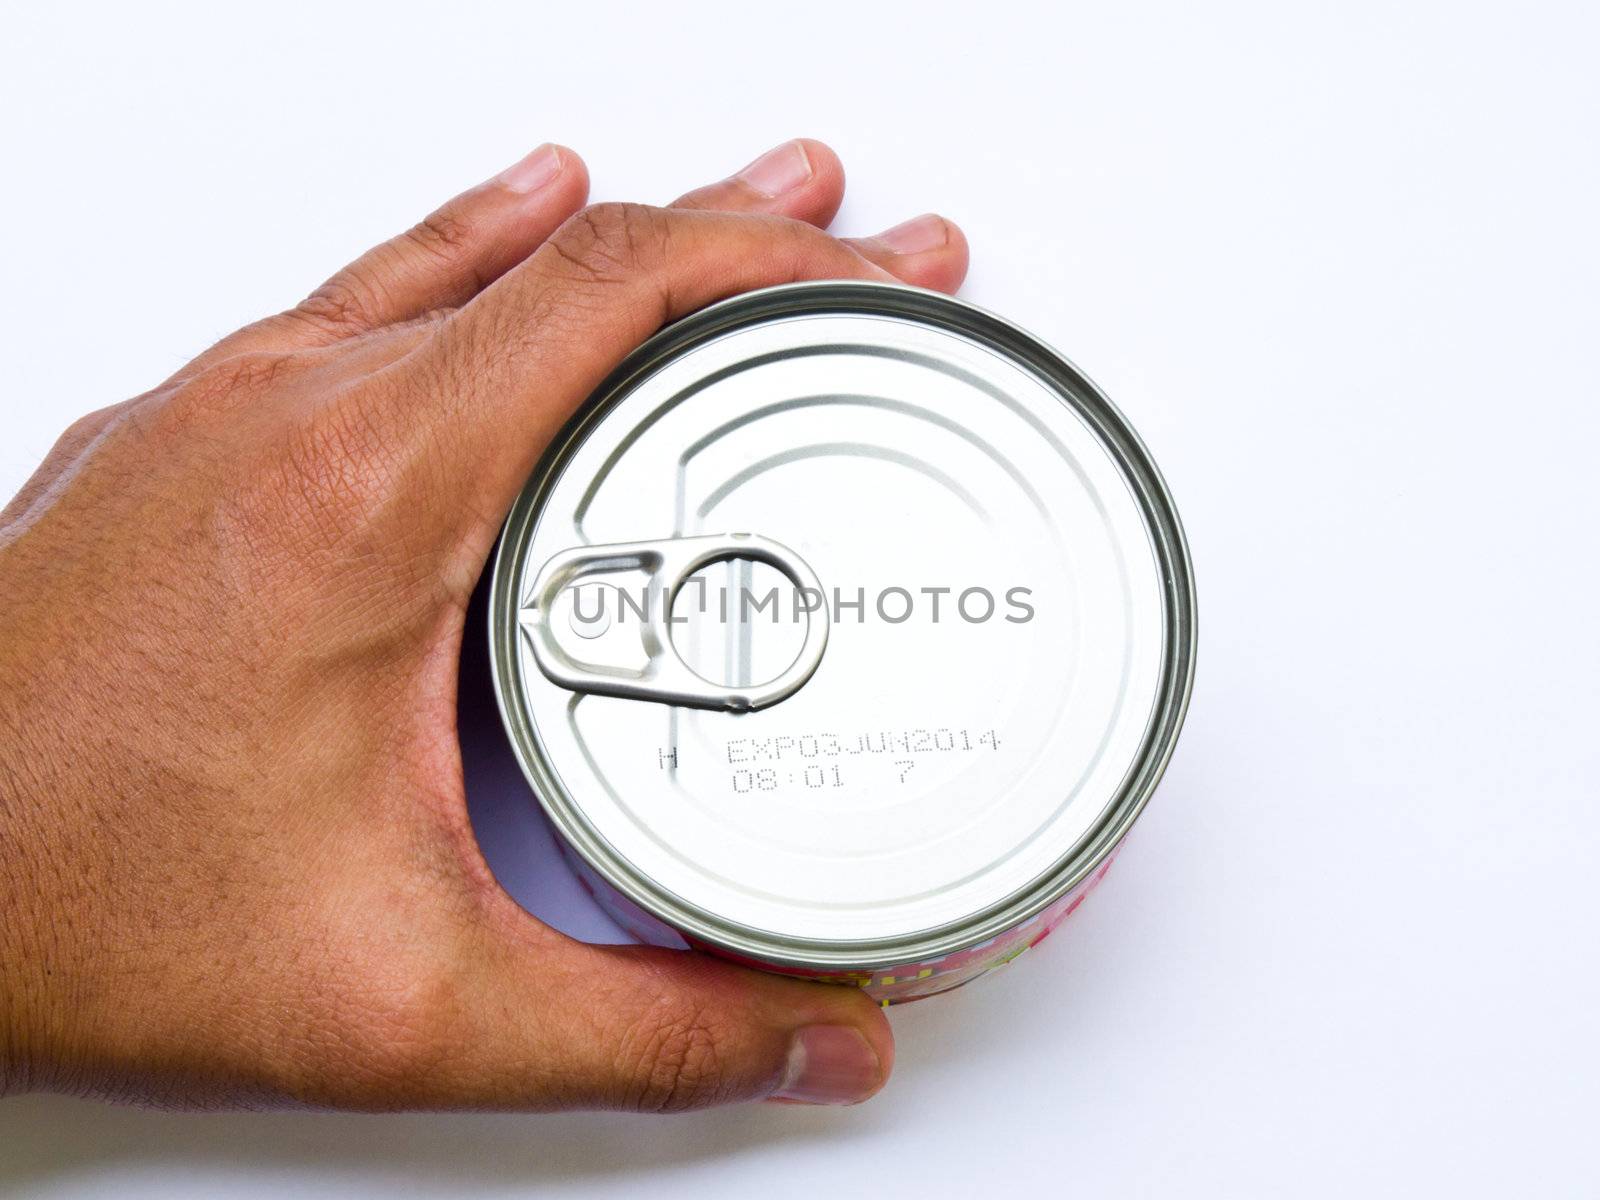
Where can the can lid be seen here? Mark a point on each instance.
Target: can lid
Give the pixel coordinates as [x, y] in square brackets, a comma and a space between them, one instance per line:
[846, 624]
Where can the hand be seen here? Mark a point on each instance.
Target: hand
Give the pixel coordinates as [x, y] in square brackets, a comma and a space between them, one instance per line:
[235, 862]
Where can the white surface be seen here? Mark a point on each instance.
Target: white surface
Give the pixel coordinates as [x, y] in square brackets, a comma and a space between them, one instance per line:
[1337, 266]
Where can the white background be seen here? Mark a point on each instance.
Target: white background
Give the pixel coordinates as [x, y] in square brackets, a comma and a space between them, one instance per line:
[1337, 263]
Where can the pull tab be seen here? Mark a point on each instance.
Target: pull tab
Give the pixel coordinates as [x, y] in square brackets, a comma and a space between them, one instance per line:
[666, 678]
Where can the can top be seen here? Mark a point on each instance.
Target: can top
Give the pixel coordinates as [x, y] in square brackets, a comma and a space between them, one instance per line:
[846, 624]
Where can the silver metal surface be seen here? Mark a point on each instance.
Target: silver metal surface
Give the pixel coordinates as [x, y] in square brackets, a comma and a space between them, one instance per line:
[941, 777]
[665, 678]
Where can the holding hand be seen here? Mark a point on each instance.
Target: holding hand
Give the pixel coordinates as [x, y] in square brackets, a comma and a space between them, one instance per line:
[235, 862]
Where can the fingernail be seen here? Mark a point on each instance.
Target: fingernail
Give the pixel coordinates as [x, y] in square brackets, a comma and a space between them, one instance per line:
[927, 232]
[830, 1064]
[778, 171]
[533, 172]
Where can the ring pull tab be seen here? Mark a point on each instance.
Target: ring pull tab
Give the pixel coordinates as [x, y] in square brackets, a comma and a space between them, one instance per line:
[666, 678]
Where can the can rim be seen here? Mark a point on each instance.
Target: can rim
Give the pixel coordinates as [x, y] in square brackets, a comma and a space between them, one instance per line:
[1077, 864]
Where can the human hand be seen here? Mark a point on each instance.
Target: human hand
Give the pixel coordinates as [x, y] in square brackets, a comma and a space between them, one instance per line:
[235, 862]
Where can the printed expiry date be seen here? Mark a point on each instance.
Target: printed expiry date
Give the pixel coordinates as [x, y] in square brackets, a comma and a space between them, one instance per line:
[783, 746]
[813, 760]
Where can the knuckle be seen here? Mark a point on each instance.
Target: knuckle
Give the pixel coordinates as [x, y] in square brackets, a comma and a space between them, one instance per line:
[363, 296]
[442, 235]
[609, 242]
[90, 426]
[350, 302]
[207, 400]
[673, 1062]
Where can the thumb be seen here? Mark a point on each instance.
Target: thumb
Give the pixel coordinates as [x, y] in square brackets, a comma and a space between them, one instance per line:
[569, 1025]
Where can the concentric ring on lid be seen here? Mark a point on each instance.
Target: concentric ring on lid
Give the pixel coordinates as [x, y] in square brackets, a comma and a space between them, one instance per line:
[1010, 611]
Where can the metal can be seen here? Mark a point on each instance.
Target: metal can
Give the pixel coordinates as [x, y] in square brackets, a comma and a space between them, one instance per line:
[844, 633]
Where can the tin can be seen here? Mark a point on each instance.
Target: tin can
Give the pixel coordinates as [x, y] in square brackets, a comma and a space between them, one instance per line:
[844, 633]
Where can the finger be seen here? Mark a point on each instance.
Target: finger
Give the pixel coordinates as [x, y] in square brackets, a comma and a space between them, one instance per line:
[450, 256]
[566, 1025]
[802, 179]
[926, 251]
[805, 180]
[441, 262]
[513, 365]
